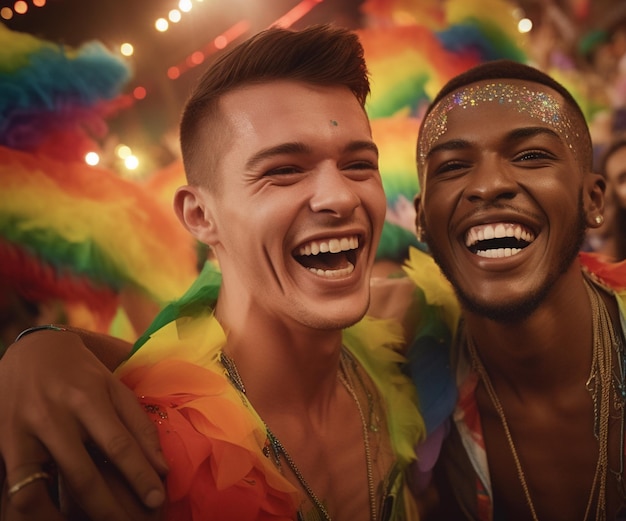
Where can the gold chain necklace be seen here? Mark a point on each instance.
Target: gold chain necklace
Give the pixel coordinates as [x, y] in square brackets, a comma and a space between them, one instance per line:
[279, 449]
[598, 383]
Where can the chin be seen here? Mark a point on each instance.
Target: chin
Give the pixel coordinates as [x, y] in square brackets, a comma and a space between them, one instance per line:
[332, 318]
[505, 312]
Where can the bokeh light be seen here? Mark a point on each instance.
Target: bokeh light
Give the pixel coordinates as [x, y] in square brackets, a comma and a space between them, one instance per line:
[20, 7]
[92, 158]
[127, 49]
[161, 25]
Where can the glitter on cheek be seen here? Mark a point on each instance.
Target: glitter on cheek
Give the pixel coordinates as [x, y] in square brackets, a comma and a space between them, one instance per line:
[537, 104]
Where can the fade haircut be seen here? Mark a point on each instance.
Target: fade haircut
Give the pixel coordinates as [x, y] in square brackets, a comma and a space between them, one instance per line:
[322, 55]
[507, 69]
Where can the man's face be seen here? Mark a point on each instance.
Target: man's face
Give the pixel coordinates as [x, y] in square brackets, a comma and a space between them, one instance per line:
[300, 204]
[616, 175]
[503, 202]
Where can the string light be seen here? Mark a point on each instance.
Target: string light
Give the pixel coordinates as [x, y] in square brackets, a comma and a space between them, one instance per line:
[139, 92]
[296, 13]
[20, 7]
[525, 25]
[220, 42]
[92, 158]
[127, 49]
[223, 40]
[161, 25]
[131, 162]
[123, 151]
[217, 44]
[197, 57]
[175, 16]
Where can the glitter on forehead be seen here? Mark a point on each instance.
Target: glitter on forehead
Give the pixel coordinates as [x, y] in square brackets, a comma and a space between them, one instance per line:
[537, 104]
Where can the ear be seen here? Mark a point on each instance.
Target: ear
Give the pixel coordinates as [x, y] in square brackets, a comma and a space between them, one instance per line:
[194, 208]
[595, 186]
[419, 217]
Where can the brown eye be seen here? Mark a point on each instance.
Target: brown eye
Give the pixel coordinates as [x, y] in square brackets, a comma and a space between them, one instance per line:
[533, 155]
[450, 167]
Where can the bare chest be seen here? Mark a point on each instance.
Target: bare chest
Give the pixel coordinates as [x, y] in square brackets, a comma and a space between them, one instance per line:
[340, 467]
[558, 461]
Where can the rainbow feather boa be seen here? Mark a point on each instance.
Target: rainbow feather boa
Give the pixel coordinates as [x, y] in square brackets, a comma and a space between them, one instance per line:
[213, 441]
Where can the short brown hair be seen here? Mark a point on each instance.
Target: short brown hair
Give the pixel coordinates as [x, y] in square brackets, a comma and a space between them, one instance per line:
[321, 55]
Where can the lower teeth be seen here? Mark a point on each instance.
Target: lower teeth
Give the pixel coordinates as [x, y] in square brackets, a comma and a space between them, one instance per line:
[332, 274]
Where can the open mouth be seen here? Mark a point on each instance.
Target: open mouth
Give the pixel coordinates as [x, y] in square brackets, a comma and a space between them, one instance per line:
[498, 240]
[330, 258]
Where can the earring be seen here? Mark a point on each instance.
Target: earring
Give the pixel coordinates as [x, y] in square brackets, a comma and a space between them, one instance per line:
[599, 219]
[420, 233]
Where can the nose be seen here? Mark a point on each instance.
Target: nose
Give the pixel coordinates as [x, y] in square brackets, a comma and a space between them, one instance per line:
[334, 193]
[490, 180]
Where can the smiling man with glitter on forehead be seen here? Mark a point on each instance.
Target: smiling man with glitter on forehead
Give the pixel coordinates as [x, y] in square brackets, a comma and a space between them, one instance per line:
[504, 159]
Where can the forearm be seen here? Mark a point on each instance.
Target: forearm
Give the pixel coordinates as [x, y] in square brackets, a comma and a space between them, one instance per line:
[111, 351]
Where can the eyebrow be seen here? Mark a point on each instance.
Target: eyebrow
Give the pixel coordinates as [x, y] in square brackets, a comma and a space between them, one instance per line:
[297, 147]
[453, 144]
[517, 134]
[526, 132]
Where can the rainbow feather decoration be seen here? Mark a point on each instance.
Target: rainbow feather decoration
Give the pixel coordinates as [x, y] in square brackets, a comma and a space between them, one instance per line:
[413, 48]
[407, 65]
[69, 232]
[485, 29]
[389, 13]
[395, 137]
[89, 230]
[51, 94]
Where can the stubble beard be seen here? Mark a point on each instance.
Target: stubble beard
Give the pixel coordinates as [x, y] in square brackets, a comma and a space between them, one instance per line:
[521, 309]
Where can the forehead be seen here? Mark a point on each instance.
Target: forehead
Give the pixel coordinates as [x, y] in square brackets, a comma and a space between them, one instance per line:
[285, 106]
[271, 118]
[533, 100]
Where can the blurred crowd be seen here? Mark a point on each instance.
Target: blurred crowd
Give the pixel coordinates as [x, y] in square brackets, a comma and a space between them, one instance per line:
[592, 50]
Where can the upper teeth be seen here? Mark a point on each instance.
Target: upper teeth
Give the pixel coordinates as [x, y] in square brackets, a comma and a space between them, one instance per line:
[331, 245]
[497, 231]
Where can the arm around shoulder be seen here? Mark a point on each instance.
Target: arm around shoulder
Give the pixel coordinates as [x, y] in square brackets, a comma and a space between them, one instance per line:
[60, 397]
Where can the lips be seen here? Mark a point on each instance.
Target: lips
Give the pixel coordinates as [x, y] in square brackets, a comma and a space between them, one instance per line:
[498, 240]
[331, 258]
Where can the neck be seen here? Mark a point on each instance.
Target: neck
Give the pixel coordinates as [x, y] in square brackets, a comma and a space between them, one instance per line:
[285, 366]
[550, 347]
